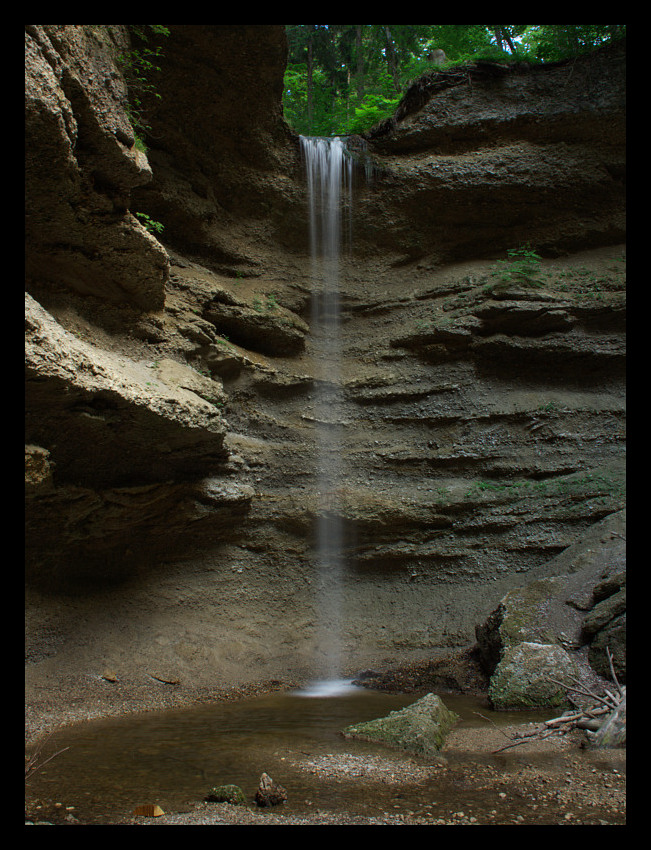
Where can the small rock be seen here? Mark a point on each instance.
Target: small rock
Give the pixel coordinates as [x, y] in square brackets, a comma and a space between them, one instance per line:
[269, 793]
[232, 794]
[148, 810]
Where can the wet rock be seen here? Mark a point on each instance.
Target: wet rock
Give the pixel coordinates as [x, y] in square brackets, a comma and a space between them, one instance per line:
[419, 728]
[269, 793]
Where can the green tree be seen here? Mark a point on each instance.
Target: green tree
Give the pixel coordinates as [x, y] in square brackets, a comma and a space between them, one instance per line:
[343, 78]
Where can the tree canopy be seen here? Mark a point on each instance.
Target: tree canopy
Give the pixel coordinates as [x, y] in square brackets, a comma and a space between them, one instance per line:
[344, 78]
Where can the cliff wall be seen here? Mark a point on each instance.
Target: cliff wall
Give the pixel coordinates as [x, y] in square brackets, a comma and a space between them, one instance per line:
[170, 383]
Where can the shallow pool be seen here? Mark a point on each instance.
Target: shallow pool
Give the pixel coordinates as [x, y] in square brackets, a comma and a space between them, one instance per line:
[172, 758]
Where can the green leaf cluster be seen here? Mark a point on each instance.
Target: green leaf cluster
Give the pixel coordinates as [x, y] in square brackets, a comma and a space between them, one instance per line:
[522, 267]
[138, 67]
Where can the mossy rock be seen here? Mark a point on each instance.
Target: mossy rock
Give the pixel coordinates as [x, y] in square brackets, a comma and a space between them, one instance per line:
[232, 794]
[420, 728]
[519, 617]
[523, 678]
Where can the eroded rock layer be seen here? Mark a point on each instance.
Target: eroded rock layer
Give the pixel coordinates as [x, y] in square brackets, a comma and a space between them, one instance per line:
[170, 385]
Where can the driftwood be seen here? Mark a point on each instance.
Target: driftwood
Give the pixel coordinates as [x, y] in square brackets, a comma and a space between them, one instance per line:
[587, 717]
[34, 762]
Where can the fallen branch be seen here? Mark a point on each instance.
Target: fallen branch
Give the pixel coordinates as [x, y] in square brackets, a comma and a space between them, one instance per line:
[581, 717]
[32, 763]
[609, 655]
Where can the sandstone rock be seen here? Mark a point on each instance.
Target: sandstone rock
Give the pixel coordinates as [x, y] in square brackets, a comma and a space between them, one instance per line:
[522, 678]
[462, 482]
[148, 810]
[553, 609]
[139, 427]
[274, 332]
[211, 194]
[420, 728]
[603, 612]
[611, 584]
[484, 149]
[516, 619]
[79, 231]
[611, 638]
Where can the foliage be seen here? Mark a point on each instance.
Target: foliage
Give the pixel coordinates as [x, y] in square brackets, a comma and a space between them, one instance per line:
[523, 267]
[344, 78]
[138, 66]
[151, 225]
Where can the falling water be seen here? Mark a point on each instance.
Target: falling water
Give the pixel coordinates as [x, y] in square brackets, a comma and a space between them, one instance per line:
[329, 180]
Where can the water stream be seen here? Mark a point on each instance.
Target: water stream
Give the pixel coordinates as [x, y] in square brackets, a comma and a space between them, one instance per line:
[329, 173]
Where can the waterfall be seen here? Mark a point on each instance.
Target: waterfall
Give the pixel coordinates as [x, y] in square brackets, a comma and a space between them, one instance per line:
[329, 171]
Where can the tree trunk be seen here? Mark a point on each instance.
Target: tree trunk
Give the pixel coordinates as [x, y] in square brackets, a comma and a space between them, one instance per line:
[392, 59]
[359, 64]
[310, 97]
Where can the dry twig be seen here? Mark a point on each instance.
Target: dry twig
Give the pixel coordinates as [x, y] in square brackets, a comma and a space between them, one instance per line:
[32, 763]
[578, 717]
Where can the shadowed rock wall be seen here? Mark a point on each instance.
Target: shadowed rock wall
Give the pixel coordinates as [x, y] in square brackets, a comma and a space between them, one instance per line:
[170, 384]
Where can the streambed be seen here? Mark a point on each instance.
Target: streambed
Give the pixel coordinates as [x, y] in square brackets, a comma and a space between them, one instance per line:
[172, 758]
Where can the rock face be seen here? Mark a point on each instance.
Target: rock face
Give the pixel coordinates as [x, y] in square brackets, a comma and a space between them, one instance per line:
[170, 385]
[479, 158]
[225, 161]
[579, 606]
[81, 166]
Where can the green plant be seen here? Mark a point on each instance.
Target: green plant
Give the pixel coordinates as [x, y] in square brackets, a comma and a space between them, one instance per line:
[138, 65]
[151, 225]
[523, 267]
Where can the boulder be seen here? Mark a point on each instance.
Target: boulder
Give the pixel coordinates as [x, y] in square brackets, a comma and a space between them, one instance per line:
[420, 728]
[524, 677]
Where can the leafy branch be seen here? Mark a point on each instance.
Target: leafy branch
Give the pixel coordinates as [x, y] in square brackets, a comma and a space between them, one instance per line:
[138, 65]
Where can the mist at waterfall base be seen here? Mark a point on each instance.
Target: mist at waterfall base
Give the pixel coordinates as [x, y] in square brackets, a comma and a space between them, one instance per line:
[329, 173]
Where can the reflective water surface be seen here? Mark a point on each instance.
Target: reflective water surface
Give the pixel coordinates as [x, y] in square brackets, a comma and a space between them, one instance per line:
[172, 758]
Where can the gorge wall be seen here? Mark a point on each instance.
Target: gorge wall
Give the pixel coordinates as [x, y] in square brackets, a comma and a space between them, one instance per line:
[169, 378]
